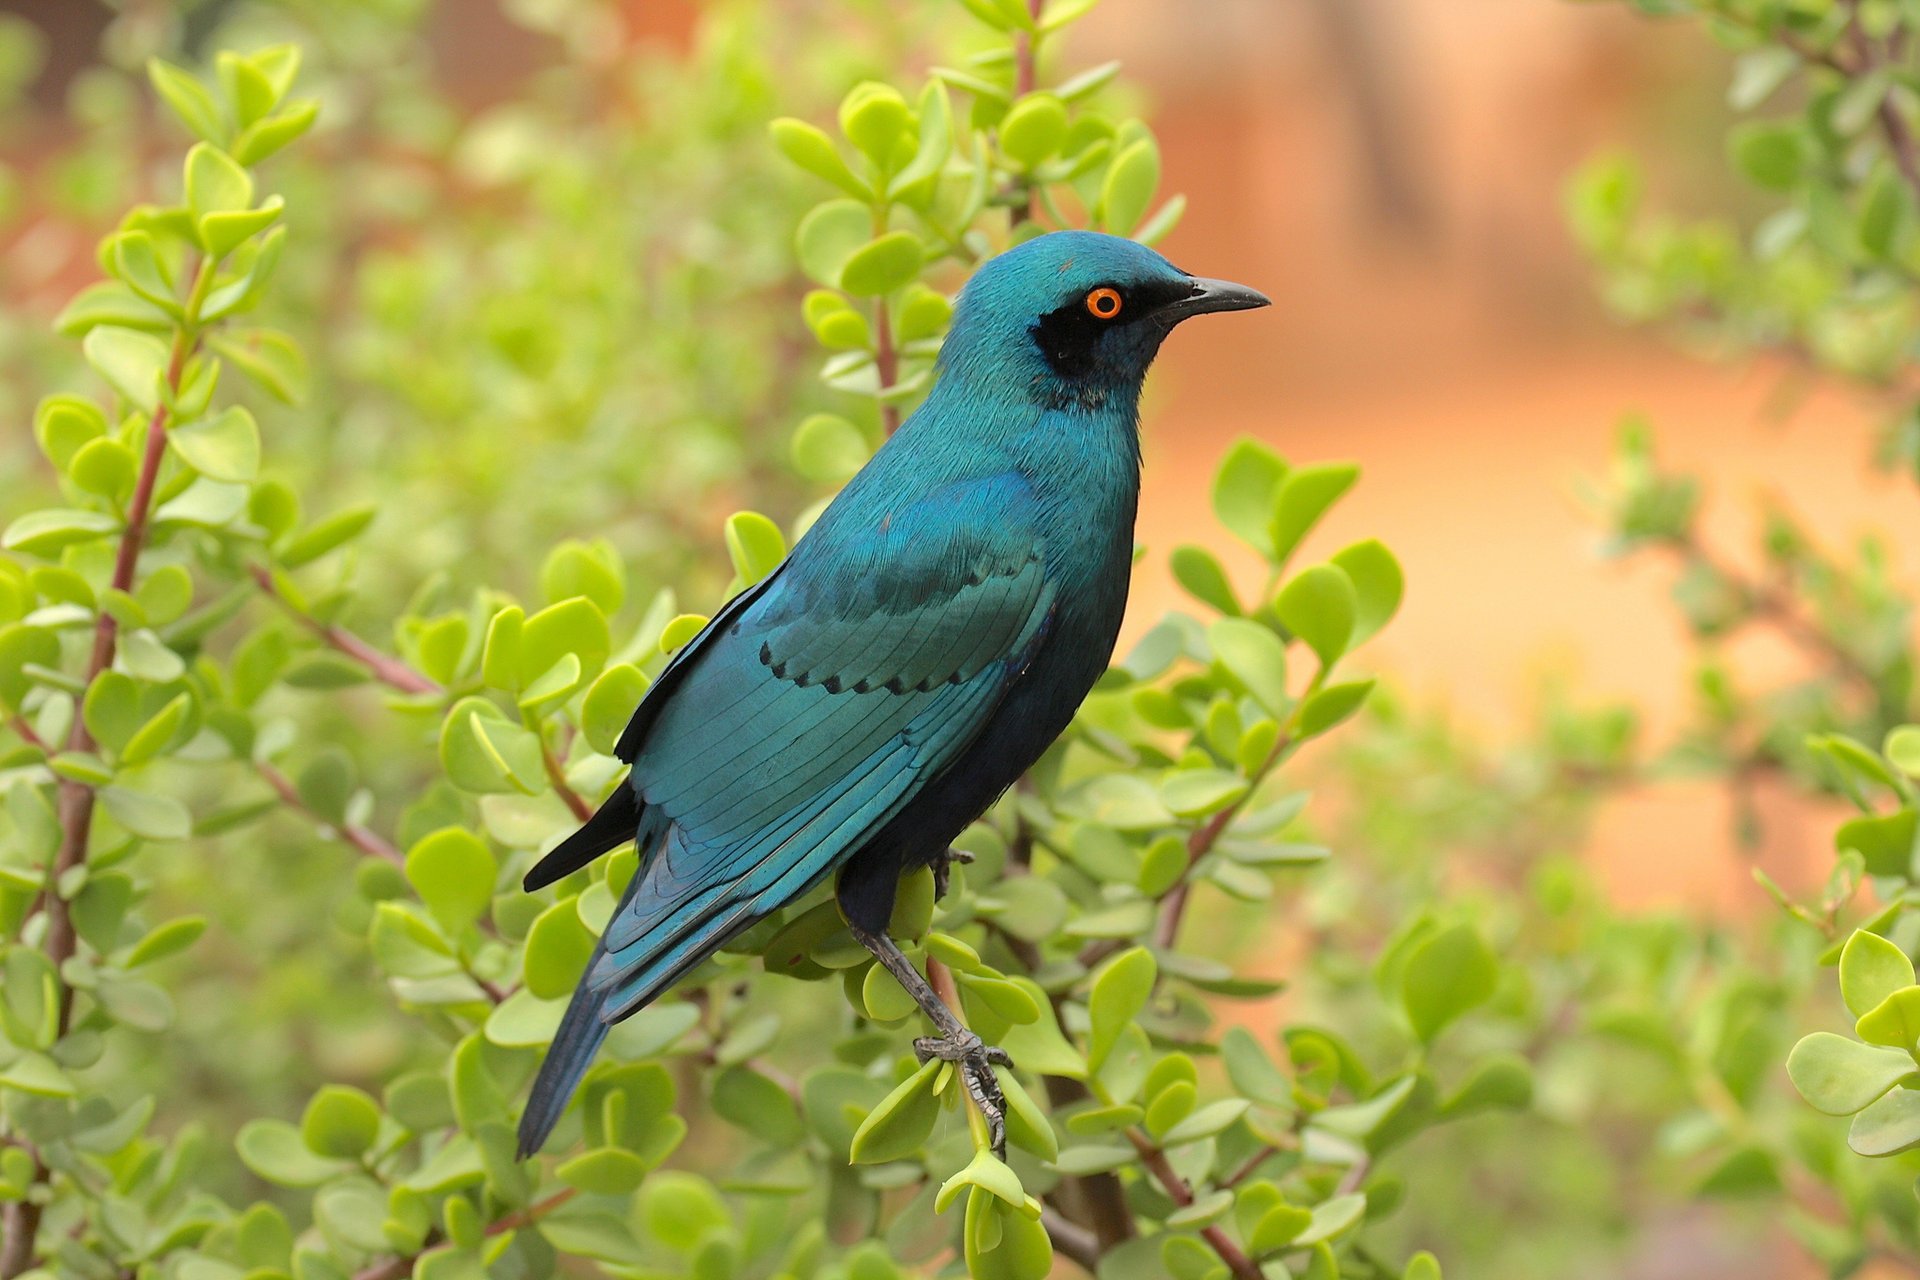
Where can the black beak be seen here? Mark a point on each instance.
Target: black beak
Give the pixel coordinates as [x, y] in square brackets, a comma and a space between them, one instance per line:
[1214, 295]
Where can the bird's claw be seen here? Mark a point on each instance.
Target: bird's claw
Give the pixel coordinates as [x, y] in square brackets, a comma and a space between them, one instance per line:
[943, 863]
[975, 1061]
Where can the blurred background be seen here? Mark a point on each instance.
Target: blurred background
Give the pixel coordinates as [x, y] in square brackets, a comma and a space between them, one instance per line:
[493, 181]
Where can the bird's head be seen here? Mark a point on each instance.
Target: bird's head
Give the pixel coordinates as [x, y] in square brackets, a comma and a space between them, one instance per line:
[1075, 317]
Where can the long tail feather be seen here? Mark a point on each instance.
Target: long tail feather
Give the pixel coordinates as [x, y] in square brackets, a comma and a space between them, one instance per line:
[615, 823]
[574, 1045]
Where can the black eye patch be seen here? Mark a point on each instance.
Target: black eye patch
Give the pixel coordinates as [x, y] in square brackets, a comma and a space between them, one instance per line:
[1069, 335]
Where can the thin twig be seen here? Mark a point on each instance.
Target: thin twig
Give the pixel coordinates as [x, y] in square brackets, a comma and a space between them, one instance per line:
[27, 735]
[368, 842]
[1155, 1162]
[886, 363]
[386, 668]
[574, 801]
[75, 800]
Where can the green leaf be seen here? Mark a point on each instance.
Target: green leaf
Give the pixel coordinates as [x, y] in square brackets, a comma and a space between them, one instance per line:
[1902, 748]
[215, 182]
[1887, 1127]
[681, 631]
[1163, 865]
[1839, 1076]
[158, 733]
[1332, 1218]
[106, 468]
[1277, 1228]
[224, 447]
[1331, 705]
[809, 147]
[1192, 793]
[326, 535]
[1503, 1083]
[134, 364]
[1318, 606]
[1871, 970]
[1244, 491]
[828, 449]
[593, 570]
[1770, 155]
[610, 704]
[558, 948]
[755, 545]
[188, 99]
[1119, 992]
[1254, 656]
[485, 753]
[1756, 75]
[888, 263]
[830, 234]
[575, 627]
[606, 1172]
[64, 424]
[37, 1074]
[1128, 187]
[935, 140]
[1895, 1021]
[987, 1172]
[1445, 976]
[1209, 1121]
[151, 817]
[678, 1209]
[756, 1105]
[169, 939]
[901, 1121]
[340, 1123]
[1303, 498]
[1196, 569]
[453, 872]
[1033, 129]
[874, 116]
[270, 358]
[264, 137]
[1884, 842]
[1378, 586]
[21, 646]
[222, 233]
[276, 1151]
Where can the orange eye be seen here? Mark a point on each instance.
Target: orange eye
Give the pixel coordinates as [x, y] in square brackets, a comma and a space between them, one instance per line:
[1104, 303]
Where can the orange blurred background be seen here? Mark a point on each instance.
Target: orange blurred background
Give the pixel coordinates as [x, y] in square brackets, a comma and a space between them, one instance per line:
[1391, 174]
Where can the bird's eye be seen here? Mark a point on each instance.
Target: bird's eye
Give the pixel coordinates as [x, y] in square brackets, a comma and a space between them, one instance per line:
[1104, 303]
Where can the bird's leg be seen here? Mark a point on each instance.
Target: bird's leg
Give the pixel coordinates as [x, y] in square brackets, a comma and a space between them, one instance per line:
[943, 863]
[973, 1059]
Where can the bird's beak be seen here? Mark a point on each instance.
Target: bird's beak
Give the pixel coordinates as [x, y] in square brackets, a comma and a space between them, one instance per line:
[1215, 295]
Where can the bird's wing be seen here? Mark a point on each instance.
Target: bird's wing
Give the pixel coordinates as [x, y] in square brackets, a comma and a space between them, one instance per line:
[810, 716]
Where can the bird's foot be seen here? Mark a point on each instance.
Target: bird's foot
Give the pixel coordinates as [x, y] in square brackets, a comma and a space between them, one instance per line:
[943, 864]
[974, 1060]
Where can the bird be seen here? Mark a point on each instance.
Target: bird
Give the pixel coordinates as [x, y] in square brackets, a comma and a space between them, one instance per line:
[914, 653]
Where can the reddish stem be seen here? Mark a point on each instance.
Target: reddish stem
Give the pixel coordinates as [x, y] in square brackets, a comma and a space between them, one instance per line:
[74, 800]
[368, 842]
[385, 668]
[1154, 1160]
[575, 802]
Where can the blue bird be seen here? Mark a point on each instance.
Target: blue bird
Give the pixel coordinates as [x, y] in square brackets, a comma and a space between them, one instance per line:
[912, 656]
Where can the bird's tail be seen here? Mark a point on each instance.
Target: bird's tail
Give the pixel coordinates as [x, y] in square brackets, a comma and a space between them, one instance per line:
[616, 822]
[649, 963]
[581, 1031]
